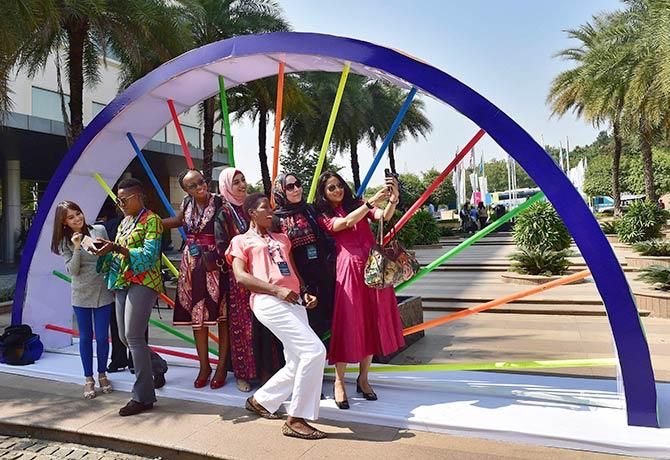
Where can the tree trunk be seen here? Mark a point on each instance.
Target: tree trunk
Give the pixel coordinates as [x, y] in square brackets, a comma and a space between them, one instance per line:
[616, 168]
[392, 157]
[355, 169]
[645, 147]
[76, 31]
[262, 156]
[209, 106]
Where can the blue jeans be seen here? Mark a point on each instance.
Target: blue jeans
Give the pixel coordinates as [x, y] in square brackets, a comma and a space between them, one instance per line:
[86, 317]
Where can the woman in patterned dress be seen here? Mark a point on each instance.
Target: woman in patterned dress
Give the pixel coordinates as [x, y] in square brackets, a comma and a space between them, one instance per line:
[254, 351]
[202, 288]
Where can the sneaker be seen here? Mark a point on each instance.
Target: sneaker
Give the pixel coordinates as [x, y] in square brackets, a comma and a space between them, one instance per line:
[133, 408]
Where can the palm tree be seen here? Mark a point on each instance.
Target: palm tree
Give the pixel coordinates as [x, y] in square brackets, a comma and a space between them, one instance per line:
[596, 87]
[214, 20]
[85, 31]
[387, 101]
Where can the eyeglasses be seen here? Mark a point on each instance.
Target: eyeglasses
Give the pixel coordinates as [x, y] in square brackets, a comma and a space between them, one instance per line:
[333, 187]
[196, 185]
[124, 201]
[293, 185]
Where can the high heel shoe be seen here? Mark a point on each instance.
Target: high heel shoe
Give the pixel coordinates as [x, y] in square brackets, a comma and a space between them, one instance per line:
[369, 396]
[201, 383]
[218, 382]
[340, 404]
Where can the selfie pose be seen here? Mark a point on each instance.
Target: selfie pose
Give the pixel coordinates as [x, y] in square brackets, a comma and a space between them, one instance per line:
[366, 321]
[263, 264]
[92, 302]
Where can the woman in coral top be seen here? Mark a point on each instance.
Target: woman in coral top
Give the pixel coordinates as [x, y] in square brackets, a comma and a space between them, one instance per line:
[366, 321]
[263, 264]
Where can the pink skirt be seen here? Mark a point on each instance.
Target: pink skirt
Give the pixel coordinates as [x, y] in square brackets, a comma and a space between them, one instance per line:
[366, 321]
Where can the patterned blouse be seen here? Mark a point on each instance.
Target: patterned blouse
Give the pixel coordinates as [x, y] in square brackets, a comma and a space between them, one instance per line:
[142, 236]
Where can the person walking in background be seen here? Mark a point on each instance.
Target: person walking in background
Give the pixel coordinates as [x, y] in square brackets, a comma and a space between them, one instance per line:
[482, 215]
[92, 302]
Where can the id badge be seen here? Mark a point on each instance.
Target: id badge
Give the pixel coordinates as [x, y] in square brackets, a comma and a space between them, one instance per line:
[115, 266]
[194, 250]
[311, 252]
[283, 268]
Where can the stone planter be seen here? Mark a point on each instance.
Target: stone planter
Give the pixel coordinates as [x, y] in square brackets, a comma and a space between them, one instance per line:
[411, 314]
[6, 307]
[614, 238]
[655, 301]
[518, 278]
[636, 261]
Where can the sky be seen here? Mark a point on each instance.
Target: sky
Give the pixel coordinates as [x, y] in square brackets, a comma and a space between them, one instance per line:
[502, 49]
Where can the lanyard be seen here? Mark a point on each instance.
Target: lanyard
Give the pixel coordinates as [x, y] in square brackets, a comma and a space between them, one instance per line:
[127, 231]
[274, 248]
[241, 226]
[195, 224]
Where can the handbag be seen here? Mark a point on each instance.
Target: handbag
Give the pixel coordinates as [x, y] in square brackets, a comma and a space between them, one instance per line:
[390, 265]
[19, 346]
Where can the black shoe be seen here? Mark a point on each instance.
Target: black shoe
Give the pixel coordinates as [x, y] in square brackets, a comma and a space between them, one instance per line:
[369, 396]
[133, 408]
[159, 381]
[116, 367]
[340, 404]
[131, 369]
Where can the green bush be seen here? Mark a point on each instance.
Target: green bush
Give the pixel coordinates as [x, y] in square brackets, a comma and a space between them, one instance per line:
[658, 248]
[420, 229]
[643, 221]
[656, 275]
[7, 294]
[610, 227]
[540, 227]
[544, 262]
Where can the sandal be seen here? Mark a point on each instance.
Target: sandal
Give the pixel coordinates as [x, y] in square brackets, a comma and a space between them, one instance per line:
[286, 430]
[89, 390]
[105, 385]
[243, 385]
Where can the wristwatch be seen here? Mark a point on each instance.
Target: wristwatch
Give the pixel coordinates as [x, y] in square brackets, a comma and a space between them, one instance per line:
[367, 203]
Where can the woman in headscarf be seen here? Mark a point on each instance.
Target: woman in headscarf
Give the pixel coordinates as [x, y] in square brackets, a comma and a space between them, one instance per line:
[255, 352]
[313, 251]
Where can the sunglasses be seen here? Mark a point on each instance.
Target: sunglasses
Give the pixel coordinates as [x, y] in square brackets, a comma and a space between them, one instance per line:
[293, 185]
[196, 185]
[124, 201]
[333, 187]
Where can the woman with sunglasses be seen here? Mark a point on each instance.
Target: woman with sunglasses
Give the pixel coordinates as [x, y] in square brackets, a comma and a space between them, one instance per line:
[366, 321]
[91, 300]
[202, 288]
[312, 249]
[254, 351]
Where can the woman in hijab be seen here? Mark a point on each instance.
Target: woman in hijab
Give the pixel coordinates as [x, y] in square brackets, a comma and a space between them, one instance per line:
[255, 352]
[313, 251]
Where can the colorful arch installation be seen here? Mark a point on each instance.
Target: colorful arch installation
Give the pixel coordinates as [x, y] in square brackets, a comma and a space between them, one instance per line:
[142, 110]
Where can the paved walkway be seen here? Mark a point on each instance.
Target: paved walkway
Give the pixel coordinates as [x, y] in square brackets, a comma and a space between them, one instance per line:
[178, 429]
[23, 448]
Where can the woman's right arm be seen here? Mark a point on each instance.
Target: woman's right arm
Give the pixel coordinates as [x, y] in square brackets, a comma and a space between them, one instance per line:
[358, 214]
[259, 286]
[72, 259]
[174, 222]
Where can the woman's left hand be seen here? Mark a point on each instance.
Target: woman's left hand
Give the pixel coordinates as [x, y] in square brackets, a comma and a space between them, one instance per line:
[310, 301]
[106, 248]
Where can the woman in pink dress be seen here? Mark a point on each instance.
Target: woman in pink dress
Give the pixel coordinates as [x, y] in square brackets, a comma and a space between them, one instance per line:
[366, 321]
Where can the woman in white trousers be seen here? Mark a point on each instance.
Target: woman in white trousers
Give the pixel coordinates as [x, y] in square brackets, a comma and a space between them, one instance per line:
[262, 263]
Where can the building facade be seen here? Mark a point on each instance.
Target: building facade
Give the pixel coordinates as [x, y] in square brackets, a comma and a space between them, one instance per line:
[32, 144]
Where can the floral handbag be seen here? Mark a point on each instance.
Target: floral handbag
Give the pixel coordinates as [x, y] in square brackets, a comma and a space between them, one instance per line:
[390, 265]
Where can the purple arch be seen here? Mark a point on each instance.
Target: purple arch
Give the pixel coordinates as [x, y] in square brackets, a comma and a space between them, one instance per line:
[633, 350]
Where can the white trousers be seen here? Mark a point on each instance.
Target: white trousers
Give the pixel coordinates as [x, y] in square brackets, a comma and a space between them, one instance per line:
[305, 356]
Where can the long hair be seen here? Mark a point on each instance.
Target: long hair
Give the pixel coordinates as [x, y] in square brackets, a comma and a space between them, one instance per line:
[61, 231]
[322, 205]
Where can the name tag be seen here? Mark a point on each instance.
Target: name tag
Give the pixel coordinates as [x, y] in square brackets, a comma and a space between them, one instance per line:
[283, 269]
[115, 265]
[312, 252]
[194, 250]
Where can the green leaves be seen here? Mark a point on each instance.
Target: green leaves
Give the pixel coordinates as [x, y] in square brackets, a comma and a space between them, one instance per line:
[643, 221]
[543, 262]
[657, 248]
[656, 275]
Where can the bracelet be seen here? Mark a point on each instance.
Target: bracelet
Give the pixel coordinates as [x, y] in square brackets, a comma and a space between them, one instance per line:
[367, 203]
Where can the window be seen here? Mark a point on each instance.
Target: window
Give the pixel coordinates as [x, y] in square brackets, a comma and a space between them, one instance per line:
[160, 136]
[96, 109]
[192, 135]
[46, 104]
[218, 143]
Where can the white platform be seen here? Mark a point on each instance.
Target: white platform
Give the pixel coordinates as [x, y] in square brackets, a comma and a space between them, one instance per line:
[576, 413]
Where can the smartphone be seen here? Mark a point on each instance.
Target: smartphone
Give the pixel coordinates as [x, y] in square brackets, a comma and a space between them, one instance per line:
[388, 173]
[98, 245]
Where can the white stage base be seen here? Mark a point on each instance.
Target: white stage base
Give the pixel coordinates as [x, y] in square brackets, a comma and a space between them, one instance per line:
[577, 413]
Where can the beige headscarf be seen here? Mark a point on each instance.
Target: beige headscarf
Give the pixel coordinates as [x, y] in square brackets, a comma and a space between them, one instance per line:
[226, 185]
